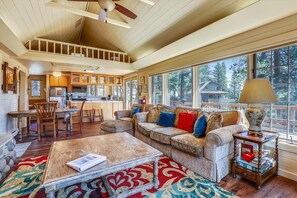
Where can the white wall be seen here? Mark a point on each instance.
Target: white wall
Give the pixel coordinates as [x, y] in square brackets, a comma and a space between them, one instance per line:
[9, 101]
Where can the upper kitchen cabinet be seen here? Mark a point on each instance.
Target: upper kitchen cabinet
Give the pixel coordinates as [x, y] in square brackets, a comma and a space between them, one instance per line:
[102, 80]
[75, 78]
[85, 79]
[94, 79]
[111, 80]
[58, 81]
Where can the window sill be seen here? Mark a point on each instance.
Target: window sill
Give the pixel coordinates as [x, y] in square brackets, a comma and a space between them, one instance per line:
[284, 146]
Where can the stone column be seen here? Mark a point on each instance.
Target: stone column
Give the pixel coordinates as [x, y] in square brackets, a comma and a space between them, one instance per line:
[7, 158]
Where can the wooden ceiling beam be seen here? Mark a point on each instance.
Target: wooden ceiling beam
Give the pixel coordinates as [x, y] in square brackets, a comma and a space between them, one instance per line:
[90, 15]
[8, 39]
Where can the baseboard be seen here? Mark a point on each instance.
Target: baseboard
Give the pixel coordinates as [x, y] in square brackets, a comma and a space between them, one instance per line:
[287, 174]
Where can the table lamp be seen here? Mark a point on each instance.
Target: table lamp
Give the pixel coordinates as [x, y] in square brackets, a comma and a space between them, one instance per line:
[255, 92]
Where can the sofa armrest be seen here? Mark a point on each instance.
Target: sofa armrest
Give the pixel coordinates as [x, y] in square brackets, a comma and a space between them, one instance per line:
[221, 136]
[141, 117]
[122, 114]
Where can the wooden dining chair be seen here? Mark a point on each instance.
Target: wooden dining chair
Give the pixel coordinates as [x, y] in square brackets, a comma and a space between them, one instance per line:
[77, 118]
[46, 115]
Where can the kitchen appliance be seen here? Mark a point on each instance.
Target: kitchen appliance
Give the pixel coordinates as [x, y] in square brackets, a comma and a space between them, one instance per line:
[58, 94]
[78, 96]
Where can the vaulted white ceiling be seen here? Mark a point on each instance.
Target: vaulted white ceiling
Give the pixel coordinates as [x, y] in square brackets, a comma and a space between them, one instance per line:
[155, 28]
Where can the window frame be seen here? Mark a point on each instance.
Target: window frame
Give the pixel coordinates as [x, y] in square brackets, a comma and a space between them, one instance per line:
[31, 86]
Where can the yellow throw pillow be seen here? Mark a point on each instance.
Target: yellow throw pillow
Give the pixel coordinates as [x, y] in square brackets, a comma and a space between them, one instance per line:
[214, 121]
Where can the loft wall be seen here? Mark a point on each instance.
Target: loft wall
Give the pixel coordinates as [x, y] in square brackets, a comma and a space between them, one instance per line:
[9, 101]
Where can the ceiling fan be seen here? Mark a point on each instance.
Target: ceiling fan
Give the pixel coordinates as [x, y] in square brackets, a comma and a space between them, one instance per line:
[109, 5]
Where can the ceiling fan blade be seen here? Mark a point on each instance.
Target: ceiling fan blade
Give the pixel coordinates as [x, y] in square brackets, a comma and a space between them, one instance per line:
[125, 11]
[149, 2]
[102, 15]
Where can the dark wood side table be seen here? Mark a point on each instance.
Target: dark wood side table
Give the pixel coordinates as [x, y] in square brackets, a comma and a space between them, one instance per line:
[256, 177]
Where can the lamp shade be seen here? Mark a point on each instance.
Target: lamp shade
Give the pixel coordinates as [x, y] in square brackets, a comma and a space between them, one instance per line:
[257, 91]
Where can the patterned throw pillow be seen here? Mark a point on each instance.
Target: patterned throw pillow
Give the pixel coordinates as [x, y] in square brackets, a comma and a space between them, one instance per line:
[200, 126]
[153, 115]
[166, 119]
[214, 121]
[134, 110]
[184, 110]
[186, 121]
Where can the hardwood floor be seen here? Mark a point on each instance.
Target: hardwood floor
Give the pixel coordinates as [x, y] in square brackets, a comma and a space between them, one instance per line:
[277, 186]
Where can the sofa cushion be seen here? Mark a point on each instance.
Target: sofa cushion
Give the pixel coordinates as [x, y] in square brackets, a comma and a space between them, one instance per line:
[146, 128]
[179, 110]
[164, 134]
[166, 119]
[188, 144]
[200, 126]
[186, 121]
[134, 110]
[127, 119]
[165, 108]
[153, 115]
[115, 126]
[214, 121]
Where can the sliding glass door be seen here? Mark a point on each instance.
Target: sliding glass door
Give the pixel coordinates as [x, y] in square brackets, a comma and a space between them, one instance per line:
[131, 93]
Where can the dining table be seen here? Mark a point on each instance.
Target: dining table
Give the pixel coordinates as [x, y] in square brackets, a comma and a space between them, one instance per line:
[19, 115]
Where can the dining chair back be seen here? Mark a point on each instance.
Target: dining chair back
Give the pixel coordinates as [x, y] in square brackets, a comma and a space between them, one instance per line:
[46, 115]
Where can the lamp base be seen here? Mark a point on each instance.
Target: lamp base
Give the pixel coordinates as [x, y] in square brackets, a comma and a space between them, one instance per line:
[255, 115]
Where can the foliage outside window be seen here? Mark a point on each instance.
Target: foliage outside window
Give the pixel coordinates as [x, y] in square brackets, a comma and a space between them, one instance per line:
[157, 91]
[280, 67]
[221, 83]
[35, 88]
[180, 88]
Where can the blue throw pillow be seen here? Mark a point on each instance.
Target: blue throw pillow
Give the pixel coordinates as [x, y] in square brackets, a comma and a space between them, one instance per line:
[166, 119]
[200, 127]
[134, 111]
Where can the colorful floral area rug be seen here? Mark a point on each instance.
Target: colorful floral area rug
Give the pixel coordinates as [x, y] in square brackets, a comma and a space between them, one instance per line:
[175, 181]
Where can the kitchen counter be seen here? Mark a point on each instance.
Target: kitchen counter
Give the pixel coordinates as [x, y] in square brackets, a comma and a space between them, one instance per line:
[108, 107]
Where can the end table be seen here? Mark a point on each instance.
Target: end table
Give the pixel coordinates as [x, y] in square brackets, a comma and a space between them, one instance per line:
[256, 177]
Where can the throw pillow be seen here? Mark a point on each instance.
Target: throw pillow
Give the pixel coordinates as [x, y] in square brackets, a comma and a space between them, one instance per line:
[186, 121]
[214, 121]
[200, 126]
[184, 110]
[134, 110]
[153, 115]
[166, 119]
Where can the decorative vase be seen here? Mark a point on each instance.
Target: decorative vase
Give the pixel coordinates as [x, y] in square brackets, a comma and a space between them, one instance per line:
[255, 116]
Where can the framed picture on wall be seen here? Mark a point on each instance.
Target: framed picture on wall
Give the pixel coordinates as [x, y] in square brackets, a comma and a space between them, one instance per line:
[142, 80]
[139, 89]
[144, 89]
[9, 79]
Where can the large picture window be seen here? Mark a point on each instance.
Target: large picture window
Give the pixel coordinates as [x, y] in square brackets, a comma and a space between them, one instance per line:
[180, 88]
[280, 67]
[220, 84]
[157, 90]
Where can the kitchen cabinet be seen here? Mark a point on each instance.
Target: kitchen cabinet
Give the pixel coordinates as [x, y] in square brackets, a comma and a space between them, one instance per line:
[94, 79]
[85, 78]
[75, 78]
[102, 80]
[111, 80]
[58, 81]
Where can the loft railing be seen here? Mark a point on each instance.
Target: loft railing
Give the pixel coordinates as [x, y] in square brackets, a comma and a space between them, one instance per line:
[57, 47]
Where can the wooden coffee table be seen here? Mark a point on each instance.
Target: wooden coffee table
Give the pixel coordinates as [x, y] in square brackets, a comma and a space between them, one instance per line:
[122, 150]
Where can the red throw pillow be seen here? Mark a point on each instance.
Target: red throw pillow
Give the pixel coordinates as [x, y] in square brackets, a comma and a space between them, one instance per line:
[186, 121]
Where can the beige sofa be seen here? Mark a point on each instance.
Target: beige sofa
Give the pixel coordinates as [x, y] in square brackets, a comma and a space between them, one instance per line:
[209, 156]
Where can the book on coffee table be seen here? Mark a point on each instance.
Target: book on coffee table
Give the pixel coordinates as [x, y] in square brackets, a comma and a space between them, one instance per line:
[86, 162]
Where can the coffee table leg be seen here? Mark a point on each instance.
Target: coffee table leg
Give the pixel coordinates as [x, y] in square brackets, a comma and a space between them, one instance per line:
[70, 117]
[50, 194]
[155, 179]
[20, 128]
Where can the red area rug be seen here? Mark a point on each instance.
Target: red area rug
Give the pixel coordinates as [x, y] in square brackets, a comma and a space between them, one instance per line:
[175, 181]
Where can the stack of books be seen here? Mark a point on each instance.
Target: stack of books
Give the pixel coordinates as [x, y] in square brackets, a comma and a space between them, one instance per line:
[86, 162]
[266, 163]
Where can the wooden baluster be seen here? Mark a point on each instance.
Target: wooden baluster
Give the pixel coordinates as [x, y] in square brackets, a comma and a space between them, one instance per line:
[259, 166]
[276, 156]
